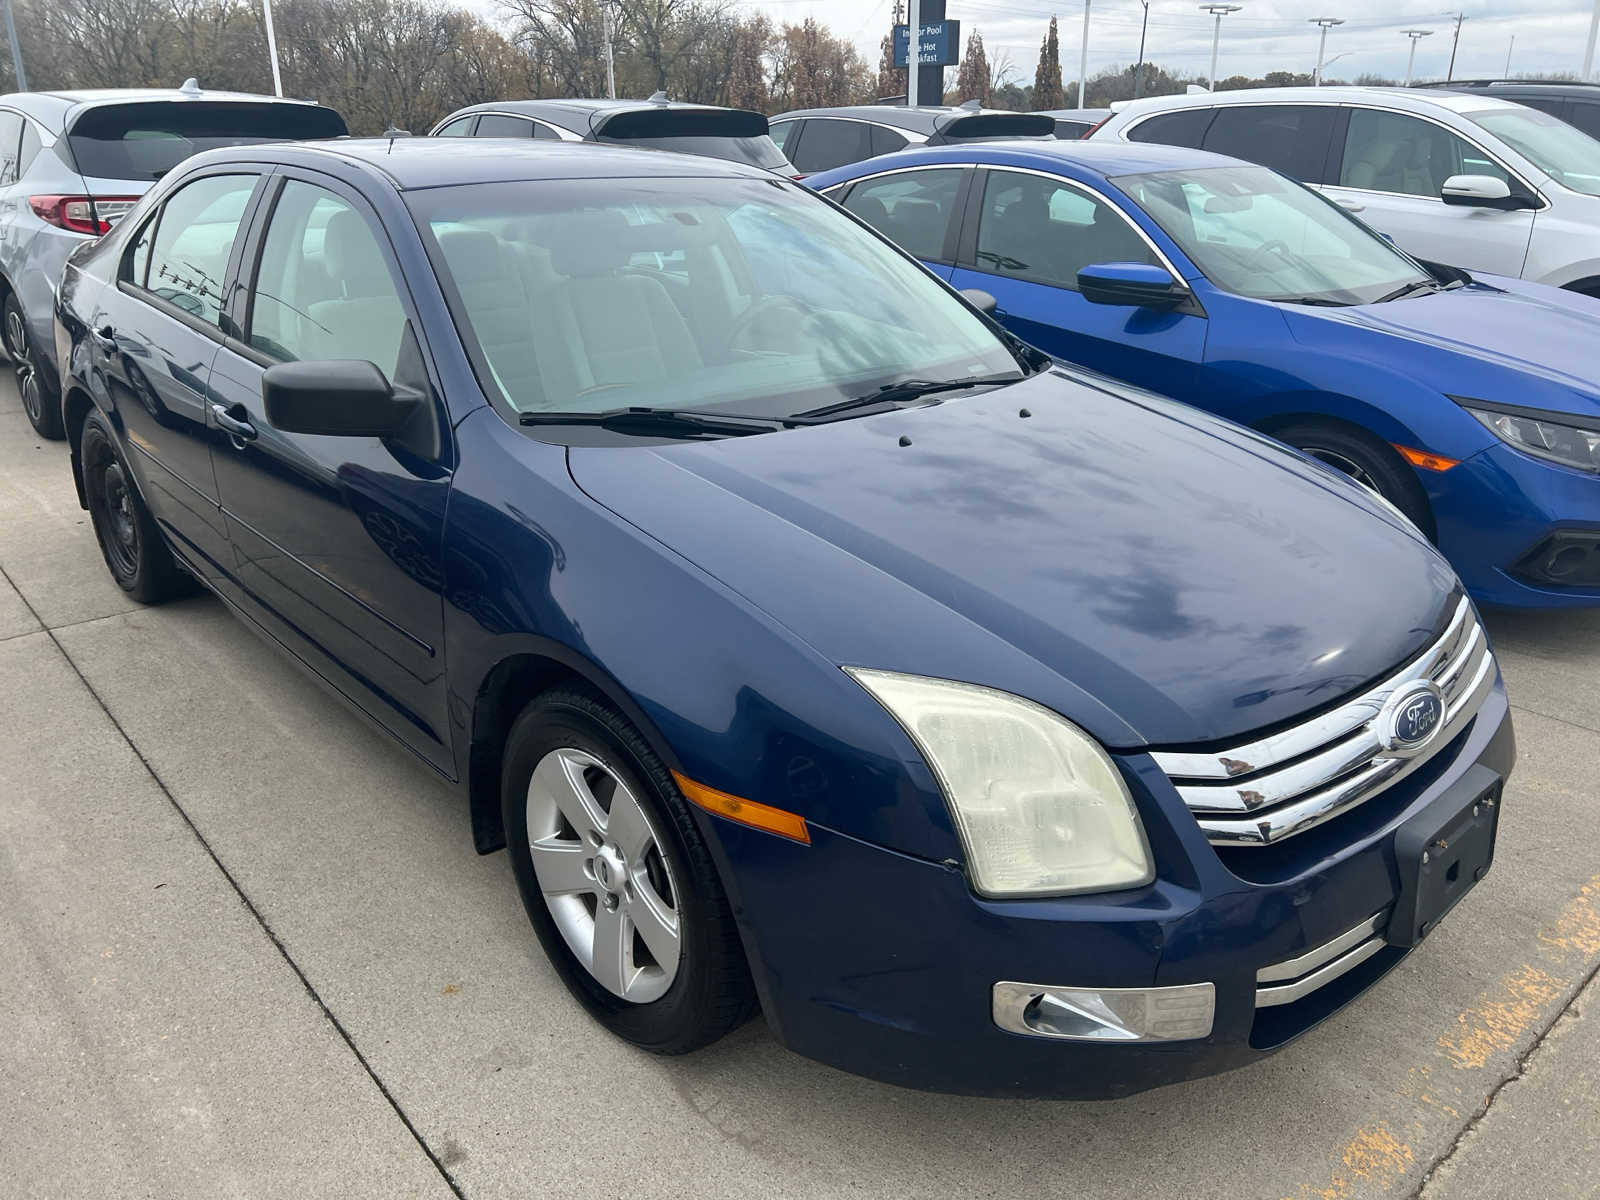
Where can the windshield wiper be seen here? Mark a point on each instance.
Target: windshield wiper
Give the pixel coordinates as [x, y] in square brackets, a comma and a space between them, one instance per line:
[659, 422]
[1420, 287]
[893, 394]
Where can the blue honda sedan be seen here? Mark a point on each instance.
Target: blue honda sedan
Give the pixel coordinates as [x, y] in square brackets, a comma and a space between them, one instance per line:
[811, 644]
[1472, 404]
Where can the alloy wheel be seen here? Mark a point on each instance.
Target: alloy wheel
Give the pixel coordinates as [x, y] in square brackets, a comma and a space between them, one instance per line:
[604, 875]
[16, 334]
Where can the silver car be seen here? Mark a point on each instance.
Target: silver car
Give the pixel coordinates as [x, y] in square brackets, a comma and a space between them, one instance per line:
[72, 163]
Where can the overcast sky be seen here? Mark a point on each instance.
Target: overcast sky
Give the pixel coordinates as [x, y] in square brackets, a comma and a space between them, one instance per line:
[1265, 35]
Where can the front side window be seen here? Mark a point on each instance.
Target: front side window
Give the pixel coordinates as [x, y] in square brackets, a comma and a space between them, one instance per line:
[1291, 138]
[1046, 231]
[1391, 152]
[832, 143]
[496, 125]
[194, 236]
[912, 208]
[323, 289]
[752, 296]
[1254, 233]
[1563, 152]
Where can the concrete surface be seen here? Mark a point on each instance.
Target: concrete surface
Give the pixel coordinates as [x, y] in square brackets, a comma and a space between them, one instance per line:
[358, 863]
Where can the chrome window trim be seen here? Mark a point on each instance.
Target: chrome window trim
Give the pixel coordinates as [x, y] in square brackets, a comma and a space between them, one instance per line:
[985, 169]
[911, 135]
[565, 135]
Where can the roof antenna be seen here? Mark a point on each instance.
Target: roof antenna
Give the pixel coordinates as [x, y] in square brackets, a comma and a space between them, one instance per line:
[973, 105]
[191, 86]
[392, 132]
[658, 98]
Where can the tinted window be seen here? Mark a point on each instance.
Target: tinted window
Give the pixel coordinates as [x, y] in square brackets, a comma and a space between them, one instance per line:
[757, 151]
[495, 125]
[1071, 131]
[829, 143]
[460, 127]
[1292, 138]
[194, 237]
[781, 131]
[1187, 127]
[10, 137]
[1585, 116]
[545, 132]
[886, 141]
[1044, 231]
[324, 289]
[912, 208]
[30, 147]
[1551, 105]
[1391, 152]
[145, 141]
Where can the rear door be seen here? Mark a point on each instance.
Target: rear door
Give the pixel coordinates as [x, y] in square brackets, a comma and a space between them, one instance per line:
[154, 339]
[337, 541]
[1292, 138]
[916, 209]
[1391, 169]
[1030, 236]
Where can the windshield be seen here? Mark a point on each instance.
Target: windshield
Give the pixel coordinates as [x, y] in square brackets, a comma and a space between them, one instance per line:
[1255, 233]
[749, 295]
[1563, 152]
[148, 139]
[760, 151]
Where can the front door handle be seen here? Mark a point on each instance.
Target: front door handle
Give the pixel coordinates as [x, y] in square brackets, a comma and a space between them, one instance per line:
[1351, 205]
[239, 430]
[106, 336]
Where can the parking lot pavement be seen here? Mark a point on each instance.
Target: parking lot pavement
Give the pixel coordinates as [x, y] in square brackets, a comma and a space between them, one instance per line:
[360, 864]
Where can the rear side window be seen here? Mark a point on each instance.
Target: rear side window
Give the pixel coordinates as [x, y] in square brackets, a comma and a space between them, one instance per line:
[886, 141]
[10, 138]
[830, 143]
[1586, 116]
[145, 141]
[781, 131]
[460, 127]
[912, 208]
[1292, 138]
[1187, 127]
[194, 235]
[1044, 231]
[495, 125]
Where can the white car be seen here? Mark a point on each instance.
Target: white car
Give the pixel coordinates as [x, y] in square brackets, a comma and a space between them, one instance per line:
[1461, 179]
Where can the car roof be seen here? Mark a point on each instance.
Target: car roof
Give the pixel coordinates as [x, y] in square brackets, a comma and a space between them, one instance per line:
[925, 118]
[1107, 159]
[1070, 114]
[1522, 87]
[55, 106]
[411, 163]
[574, 114]
[1408, 99]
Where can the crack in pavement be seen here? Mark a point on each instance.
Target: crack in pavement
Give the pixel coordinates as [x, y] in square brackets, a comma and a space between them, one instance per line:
[255, 913]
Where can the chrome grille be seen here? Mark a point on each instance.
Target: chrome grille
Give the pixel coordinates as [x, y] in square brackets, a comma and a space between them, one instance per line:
[1286, 982]
[1277, 786]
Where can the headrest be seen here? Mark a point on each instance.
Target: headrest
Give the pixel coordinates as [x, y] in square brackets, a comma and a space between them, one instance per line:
[353, 260]
[589, 242]
[871, 210]
[476, 257]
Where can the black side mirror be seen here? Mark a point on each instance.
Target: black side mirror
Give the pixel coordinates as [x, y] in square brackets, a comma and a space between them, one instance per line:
[981, 300]
[1139, 285]
[335, 398]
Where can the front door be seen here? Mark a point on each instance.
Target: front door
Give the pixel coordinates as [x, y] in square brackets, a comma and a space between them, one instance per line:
[914, 208]
[155, 337]
[337, 541]
[1034, 234]
[1391, 175]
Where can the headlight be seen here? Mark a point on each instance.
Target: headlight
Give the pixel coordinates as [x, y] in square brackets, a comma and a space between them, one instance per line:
[1570, 445]
[1040, 808]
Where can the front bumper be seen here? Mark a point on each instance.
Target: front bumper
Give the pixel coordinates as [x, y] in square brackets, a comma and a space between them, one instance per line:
[885, 965]
[1496, 509]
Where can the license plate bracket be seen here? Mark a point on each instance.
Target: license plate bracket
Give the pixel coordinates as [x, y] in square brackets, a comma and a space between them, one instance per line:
[1442, 851]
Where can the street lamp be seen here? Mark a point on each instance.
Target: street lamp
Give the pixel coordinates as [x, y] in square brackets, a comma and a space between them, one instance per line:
[1138, 75]
[1219, 11]
[1588, 55]
[1326, 23]
[1416, 35]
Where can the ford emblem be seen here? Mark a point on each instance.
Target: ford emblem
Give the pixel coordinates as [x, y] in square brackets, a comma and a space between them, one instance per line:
[1411, 718]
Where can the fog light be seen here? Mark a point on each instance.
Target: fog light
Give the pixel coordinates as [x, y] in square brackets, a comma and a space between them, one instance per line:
[1569, 558]
[1162, 1014]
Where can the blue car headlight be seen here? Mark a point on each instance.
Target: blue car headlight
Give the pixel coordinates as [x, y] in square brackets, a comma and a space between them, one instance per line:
[1040, 808]
[1571, 445]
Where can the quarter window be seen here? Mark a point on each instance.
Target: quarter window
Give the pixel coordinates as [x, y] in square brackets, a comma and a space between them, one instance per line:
[886, 141]
[1391, 152]
[1586, 117]
[912, 208]
[460, 127]
[1186, 127]
[1292, 138]
[10, 136]
[1045, 231]
[194, 235]
[829, 143]
[30, 148]
[780, 131]
[495, 125]
[323, 289]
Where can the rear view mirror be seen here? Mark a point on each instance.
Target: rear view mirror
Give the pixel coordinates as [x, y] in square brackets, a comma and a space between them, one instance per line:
[1480, 191]
[1124, 283]
[981, 300]
[335, 398]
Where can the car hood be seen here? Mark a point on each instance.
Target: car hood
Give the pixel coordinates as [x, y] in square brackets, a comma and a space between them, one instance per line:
[1156, 574]
[1478, 337]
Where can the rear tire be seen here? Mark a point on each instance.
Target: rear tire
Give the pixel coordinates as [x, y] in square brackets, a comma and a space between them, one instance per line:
[130, 541]
[1364, 458]
[39, 394]
[620, 867]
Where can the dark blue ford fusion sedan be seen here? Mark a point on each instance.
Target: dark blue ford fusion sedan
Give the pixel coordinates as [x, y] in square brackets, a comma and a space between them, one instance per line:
[1470, 403]
[810, 644]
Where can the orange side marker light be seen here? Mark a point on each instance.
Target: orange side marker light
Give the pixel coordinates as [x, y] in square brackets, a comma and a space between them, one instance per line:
[745, 812]
[1428, 462]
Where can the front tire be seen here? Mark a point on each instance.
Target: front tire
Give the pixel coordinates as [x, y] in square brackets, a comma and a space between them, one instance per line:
[616, 879]
[1368, 461]
[131, 543]
[39, 396]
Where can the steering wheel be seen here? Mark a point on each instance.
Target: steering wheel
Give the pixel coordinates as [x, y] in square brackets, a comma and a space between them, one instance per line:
[746, 321]
[1255, 262]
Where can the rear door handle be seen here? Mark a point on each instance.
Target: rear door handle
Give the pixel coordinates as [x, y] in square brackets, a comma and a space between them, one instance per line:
[239, 430]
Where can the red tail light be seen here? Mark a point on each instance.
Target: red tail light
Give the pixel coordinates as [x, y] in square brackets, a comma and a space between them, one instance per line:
[92, 215]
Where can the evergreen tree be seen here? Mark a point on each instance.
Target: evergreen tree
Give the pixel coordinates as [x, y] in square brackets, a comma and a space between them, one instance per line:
[1047, 90]
[891, 79]
[974, 83]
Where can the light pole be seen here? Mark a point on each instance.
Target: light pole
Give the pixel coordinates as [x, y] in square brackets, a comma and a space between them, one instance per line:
[1588, 55]
[1416, 35]
[1219, 11]
[1138, 74]
[272, 45]
[1083, 56]
[1454, 44]
[609, 19]
[1326, 23]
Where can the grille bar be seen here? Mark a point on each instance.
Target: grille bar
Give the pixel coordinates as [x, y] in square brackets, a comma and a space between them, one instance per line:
[1297, 978]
